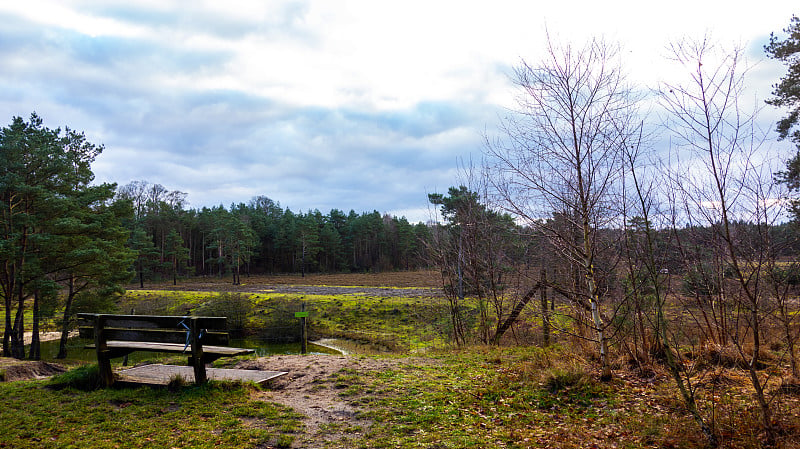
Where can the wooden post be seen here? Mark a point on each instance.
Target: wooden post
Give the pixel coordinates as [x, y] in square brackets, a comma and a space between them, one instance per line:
[303, 334]
[125, 358]
[198, 361]
[103, 362]
[545, 315]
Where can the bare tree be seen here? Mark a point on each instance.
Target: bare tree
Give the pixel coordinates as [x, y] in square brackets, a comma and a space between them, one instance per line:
[560, 154]
[648, 288]
[722, 181]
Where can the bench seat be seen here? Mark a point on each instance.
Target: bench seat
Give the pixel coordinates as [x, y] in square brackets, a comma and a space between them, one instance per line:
[176, 348]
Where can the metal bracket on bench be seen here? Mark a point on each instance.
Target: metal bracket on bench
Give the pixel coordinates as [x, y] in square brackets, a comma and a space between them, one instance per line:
[189, 333]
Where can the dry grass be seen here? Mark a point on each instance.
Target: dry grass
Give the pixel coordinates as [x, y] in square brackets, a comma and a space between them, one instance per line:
[397, 279]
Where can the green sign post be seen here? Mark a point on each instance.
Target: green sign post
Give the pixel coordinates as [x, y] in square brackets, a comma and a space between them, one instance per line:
[302, 314]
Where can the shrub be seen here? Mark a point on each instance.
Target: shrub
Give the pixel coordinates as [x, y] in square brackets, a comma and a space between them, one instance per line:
[84, 378]
[558, 379]
[233, 306]
[700, 281]
[176, 382]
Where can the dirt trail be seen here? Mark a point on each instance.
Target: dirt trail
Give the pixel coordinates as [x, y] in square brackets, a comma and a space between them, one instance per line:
[44, 336]
[311, 388]
[312, 289]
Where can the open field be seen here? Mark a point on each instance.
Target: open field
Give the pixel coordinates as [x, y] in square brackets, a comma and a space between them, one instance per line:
[423, 394]
[425, 279]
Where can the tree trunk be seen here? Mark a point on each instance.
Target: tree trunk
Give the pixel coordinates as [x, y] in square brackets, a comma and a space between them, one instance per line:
[62, 344]
[599, 326]
[34, 353]
[545, 312]
[18, 333]
[7, 329]
[766, 412]
[141, 274]
[512, 317]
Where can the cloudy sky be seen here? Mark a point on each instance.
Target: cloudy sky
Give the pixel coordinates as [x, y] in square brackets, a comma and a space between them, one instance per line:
[364, 105]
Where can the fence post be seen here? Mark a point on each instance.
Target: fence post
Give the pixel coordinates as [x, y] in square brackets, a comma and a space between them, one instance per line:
[303, 335]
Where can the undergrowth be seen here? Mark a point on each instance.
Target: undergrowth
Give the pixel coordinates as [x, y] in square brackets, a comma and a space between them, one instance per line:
[454, 397]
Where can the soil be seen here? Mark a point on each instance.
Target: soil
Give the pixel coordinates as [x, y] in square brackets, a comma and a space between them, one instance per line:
[13, 369]
[310, 389]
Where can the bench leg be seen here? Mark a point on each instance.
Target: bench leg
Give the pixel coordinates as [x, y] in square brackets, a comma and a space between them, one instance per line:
[103, 359]
[106, 374]
[199, 373]
[197, 354]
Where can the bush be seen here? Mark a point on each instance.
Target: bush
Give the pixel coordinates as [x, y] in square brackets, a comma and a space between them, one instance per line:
[233, 306]
[789, 274]
[699, 281]
[275, 321]
[86, 378]
[559, 379]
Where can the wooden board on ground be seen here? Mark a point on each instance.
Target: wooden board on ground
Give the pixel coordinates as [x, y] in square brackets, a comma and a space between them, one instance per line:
[157, 374]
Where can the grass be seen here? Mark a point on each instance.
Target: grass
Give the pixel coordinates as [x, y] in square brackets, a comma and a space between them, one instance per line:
[67, 414]
[451, 398]
[484, 397]
[399, 324]
[395, 324]
[530, 397]
[520, 397]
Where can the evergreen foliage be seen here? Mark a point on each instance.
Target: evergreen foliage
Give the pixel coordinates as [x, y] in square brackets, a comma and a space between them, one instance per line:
[261, 237]
[58, 231]
[787, 91]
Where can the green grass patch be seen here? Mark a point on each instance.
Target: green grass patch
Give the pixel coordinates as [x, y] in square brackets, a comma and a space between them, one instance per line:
[484, 398]
[395, 324]
[34, 414]
[163, 302]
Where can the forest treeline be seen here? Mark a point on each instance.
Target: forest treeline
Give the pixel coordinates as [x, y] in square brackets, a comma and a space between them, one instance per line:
[261, 237]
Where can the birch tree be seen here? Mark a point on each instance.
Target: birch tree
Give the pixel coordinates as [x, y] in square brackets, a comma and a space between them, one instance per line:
[722, 181]
[561, 154]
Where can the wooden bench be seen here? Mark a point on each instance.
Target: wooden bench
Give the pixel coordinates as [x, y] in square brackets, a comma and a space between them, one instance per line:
[203, 338]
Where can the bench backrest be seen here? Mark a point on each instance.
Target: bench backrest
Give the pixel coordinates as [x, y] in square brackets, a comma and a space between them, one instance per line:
[153, 328]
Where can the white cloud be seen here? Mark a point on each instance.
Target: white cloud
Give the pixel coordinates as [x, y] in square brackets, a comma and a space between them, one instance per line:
[316, 104]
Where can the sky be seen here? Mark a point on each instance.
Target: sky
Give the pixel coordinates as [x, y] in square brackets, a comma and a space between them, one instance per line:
[354, 105]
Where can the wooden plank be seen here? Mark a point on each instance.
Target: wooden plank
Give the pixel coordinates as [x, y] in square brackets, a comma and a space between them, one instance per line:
[157, 374]
[155, 335]
[154, 321]
[225, 351]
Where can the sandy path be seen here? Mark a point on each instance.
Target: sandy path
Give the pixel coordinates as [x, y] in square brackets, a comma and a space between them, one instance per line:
[314, 387]
[43, 336]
